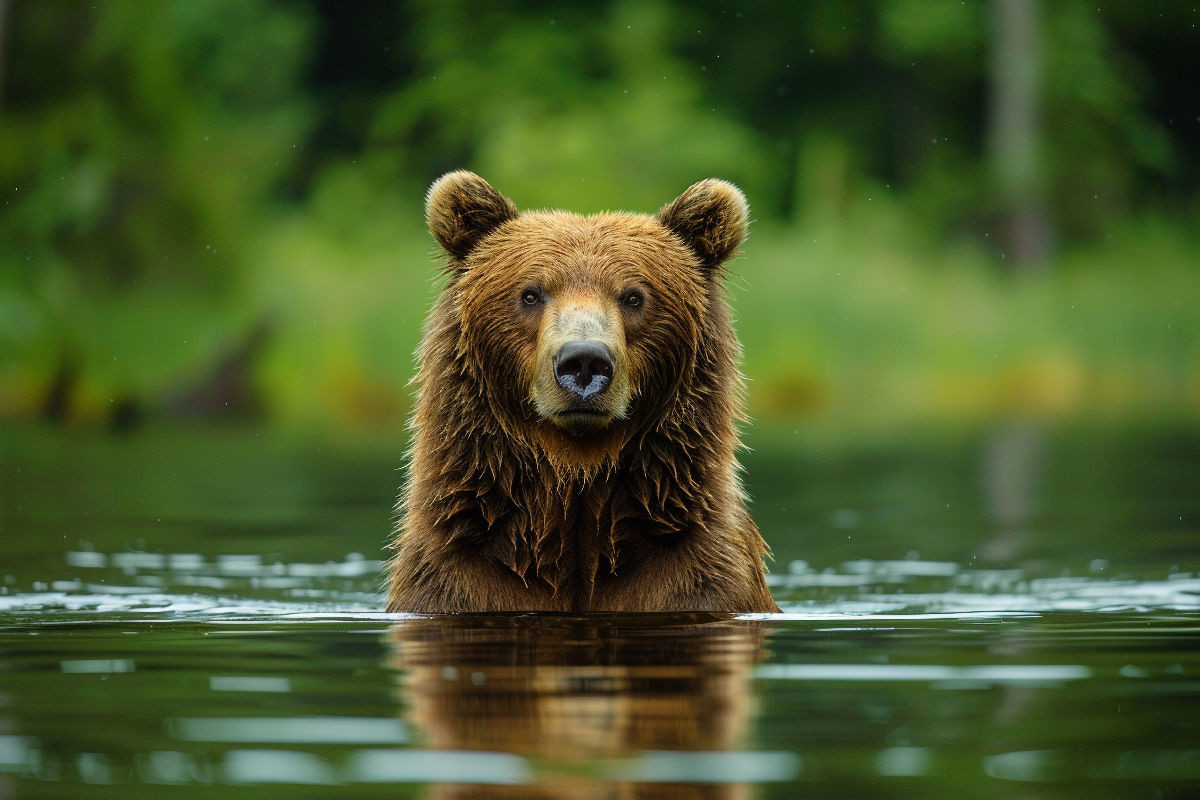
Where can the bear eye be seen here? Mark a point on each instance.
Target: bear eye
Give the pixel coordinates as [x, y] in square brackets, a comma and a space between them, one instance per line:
[531, 297]
[633, 299]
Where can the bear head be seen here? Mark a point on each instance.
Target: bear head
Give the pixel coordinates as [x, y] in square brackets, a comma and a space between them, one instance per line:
[577, 332]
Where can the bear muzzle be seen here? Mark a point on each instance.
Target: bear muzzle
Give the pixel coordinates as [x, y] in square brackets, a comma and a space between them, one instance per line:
[582, 383]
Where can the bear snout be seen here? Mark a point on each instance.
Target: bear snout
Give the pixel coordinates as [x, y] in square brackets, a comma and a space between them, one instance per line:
[581, 381]
[584, 368]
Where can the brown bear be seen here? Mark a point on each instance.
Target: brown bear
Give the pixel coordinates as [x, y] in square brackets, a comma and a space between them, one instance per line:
[573, 442]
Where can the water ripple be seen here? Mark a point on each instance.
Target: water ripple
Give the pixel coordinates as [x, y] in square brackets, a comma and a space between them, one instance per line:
[189, 585]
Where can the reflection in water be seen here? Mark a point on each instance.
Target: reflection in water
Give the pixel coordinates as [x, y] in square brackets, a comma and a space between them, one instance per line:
[1012, 469]
[630, 702]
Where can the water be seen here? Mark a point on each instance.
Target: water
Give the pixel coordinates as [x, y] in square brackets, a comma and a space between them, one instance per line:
[1012, 613]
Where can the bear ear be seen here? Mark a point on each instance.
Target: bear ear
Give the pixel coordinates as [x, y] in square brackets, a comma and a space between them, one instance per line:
[710, 217]
[462, 208]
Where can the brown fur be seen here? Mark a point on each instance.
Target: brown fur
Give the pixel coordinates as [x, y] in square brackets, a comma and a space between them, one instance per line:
[512, 503]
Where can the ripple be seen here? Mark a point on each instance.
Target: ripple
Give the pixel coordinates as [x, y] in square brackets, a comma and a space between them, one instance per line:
[985, 675]
[290, 730]
[191, 586]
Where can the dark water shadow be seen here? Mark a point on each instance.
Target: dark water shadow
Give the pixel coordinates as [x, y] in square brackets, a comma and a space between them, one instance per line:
[606, 706]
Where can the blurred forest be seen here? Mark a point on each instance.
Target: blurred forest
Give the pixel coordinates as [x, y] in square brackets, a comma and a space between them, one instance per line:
[962, 211]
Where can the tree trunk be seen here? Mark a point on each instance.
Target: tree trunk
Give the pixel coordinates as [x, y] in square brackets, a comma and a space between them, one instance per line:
[3, 42]
[1014, 133]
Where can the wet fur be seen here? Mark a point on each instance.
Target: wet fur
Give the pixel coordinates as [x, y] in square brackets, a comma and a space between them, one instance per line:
[504, 510]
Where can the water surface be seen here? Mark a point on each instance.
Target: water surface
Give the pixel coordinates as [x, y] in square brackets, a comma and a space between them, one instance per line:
[1011, 613]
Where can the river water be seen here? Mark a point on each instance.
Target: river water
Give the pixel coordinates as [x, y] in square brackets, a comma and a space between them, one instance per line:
[1009, 613]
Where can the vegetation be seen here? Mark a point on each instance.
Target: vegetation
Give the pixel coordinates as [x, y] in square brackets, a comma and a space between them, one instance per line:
[215, 207]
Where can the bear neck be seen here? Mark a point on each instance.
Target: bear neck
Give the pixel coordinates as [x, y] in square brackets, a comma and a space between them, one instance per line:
[498, 496]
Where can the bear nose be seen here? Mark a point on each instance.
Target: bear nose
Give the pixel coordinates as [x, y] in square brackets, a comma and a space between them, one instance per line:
[584, 368]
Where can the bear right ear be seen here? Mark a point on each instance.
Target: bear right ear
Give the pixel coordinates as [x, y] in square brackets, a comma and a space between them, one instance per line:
[462, 208]
[710, 217]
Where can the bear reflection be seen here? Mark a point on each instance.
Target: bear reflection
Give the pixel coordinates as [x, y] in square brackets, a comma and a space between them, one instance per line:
[568, 692]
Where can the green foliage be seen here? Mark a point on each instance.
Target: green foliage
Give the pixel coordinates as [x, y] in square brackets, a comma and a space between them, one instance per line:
[572, 107]
[175, 173]
[154, 146]
[134, 176]
[865, 323]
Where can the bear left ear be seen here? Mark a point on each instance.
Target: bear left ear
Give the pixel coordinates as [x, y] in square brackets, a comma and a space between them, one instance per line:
[710, 217]
[462, 208]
